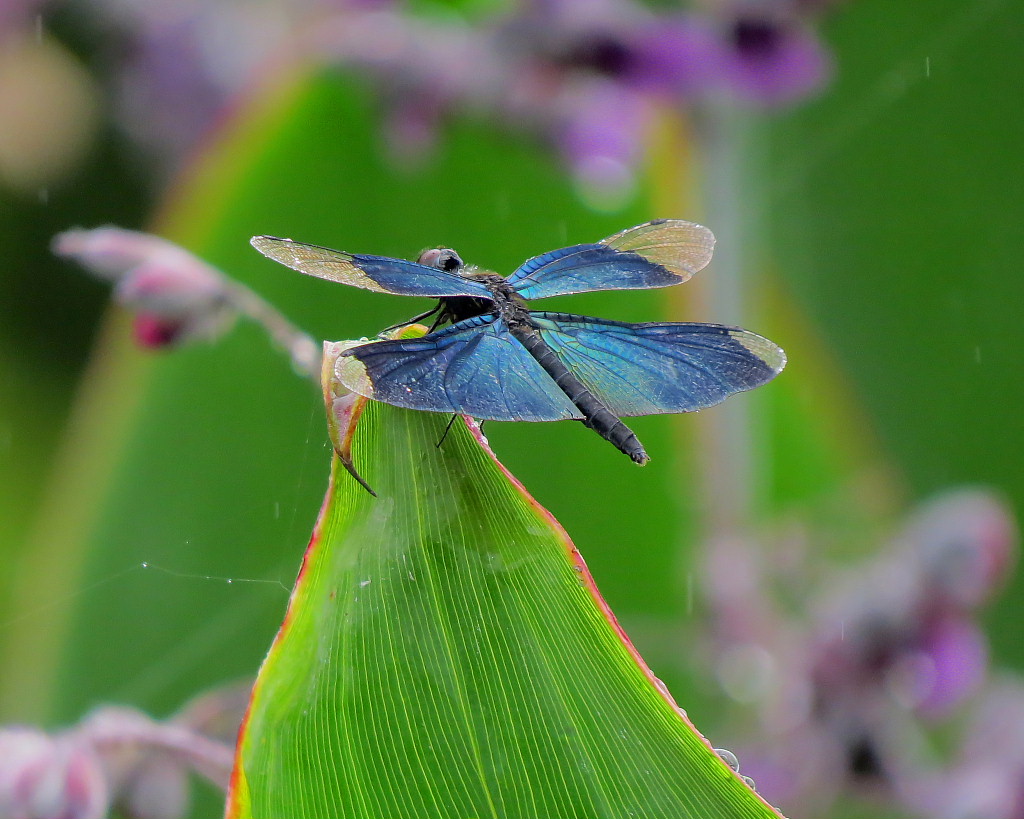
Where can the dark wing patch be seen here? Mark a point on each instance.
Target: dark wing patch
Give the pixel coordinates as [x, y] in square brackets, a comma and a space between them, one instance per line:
[655, 254]
[474, 367]
[647, 369]
[380, 273]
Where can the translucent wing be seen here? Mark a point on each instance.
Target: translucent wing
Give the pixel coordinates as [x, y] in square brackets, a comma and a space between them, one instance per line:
[473, 367]
[379, 273]
[655, 254]
[646, 369]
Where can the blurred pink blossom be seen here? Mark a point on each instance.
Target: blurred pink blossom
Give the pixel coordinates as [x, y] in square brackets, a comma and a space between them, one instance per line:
[119, 759]
[178, 298]
[579, 76]
[846, 683]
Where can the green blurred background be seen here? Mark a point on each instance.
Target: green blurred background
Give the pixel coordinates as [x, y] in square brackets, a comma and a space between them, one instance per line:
[880, 233]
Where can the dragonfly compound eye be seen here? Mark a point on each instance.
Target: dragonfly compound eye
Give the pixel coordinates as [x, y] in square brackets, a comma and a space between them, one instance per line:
[449, 260]
[443, 258]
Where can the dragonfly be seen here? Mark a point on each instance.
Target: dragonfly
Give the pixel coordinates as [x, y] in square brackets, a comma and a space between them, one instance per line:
[498, 360]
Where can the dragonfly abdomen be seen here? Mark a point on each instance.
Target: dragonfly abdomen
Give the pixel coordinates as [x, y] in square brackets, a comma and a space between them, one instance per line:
[596, 415]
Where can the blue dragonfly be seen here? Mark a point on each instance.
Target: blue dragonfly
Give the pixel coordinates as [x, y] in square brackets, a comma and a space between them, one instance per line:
[501, 361]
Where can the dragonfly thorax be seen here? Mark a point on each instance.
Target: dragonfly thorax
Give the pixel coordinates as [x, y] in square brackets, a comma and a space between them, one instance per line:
[458, 308]
[505, 302]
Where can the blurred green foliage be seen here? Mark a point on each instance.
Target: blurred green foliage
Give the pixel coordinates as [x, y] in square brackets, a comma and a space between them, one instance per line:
[894, 208]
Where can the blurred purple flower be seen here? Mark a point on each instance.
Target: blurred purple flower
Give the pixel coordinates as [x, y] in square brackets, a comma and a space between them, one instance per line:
[169, 93]
[758, 57]
[950, 666]
[883, 650]
[770, 59]
[966, 545]
[676, 58]
[601, 137]
[913, 610]
[583, 77]
[556, 71]
[986, 779]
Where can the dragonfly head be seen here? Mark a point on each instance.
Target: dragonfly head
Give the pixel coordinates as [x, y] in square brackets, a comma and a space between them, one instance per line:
[453, 309]
[443, 258]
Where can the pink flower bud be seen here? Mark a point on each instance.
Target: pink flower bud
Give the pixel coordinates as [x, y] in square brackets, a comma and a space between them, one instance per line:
[178, 297]
[155, 331]
[110, 252]
[44, 777]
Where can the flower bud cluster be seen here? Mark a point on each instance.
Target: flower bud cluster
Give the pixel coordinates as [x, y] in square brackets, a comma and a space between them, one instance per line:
[848, 678]
[116, 759]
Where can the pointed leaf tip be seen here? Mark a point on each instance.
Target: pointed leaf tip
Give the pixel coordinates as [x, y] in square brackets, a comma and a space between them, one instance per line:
[445, 653]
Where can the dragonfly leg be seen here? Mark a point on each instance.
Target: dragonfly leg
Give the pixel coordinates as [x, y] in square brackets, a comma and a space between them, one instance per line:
[350, 467]
[447, 429]
[442, 317]
[413, 320]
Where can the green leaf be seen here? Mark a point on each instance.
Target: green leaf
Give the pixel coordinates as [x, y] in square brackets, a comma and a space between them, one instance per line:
[446, 653]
